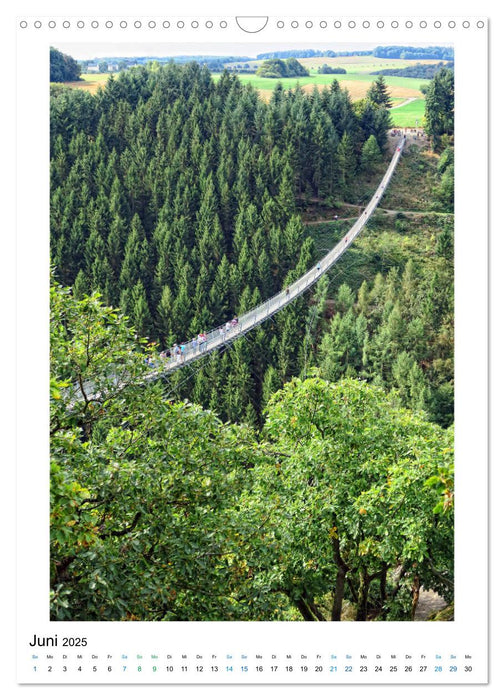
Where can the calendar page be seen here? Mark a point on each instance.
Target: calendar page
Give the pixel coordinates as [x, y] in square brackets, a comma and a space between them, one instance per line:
[252, 286]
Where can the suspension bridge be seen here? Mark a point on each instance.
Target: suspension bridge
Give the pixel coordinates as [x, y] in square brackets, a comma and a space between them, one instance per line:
[224, 335]
[229, 332]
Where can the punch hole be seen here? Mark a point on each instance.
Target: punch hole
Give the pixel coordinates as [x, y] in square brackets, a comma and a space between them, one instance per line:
[280, 24]
[81, 24]
[437, 24]
[252, 25]
[480, 24]
[23, 24]
[66, 24]
[37, 24]
[380, 24]
[194, 24]
[95, 24]
[423, 24]
[366, 24]
[137, 24]
[452, 24]
[209, 24]
[409, 24]
[223, 24]
[323, 24]
[337, 24]
[109, 24]
[51, 24]
[166, 24]
[394, 24]
[352, 24]
[180, 24]
[123, 24]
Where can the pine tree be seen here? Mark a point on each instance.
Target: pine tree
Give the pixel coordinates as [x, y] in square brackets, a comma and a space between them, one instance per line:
[81, 286]
[164, 316]
[370, 154]
[140, 314]
[379, 94]
[346, 163]
[439, 106]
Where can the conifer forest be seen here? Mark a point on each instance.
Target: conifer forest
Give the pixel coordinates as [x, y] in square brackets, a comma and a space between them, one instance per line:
[305, 471]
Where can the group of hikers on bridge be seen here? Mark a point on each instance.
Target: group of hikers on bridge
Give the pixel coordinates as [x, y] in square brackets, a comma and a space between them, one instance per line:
[177, 353]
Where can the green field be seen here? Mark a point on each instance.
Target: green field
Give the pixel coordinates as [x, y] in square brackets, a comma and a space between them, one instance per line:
[326, 79]
[288, 83]
[409, 114]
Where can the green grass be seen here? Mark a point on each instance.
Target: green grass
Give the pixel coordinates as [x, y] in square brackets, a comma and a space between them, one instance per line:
[325, 79]
[409, 114]
[288, 83]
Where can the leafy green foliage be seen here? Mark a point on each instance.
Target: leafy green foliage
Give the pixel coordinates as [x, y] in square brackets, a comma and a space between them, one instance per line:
[351, 514]
[144, 492]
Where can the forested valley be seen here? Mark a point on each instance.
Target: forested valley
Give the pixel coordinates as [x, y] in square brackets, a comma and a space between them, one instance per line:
[306, 473]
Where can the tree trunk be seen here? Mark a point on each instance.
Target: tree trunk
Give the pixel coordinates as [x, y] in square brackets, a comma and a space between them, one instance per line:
[383, 585]
[305, 611]
[338, 595]
[339, 588]
[415, 592]
[364, 580]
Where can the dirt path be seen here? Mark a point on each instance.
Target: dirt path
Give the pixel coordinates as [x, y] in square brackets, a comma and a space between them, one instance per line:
[406, 102]
[379, 210]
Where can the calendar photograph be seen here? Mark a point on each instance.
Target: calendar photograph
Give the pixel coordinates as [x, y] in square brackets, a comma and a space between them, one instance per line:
[252, 254]
[252, 324]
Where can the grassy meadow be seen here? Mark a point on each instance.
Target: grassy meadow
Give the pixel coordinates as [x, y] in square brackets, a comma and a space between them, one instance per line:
[410, 114]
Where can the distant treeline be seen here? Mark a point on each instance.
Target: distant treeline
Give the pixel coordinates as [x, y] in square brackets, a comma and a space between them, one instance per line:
[310, 53]
[421, 53]
[214, 63]
[444, 53]
[419, 70]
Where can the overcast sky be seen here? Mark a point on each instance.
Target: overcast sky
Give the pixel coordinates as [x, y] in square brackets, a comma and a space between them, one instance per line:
[83, 51]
